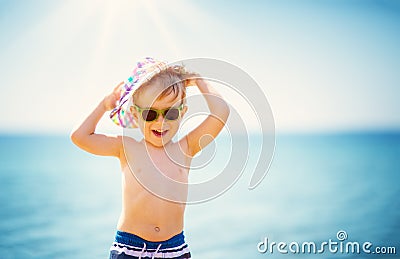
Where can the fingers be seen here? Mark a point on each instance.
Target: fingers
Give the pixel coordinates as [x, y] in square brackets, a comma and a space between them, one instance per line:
[119, 85]
[190, 82]
[117, 90]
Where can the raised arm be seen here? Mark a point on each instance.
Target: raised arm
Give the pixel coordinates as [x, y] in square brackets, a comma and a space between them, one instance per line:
[99, 144]
[213, 124]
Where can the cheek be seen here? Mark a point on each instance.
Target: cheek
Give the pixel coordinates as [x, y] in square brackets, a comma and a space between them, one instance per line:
[144, 127]
[174, 126]
[147, 126]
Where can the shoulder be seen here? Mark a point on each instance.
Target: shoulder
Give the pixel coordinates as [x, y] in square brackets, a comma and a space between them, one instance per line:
[130, 148]
[183, 145]
[128, 140]
[129, 144]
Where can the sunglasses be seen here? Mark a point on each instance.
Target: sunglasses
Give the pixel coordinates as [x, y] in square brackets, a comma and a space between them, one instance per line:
[150, 114]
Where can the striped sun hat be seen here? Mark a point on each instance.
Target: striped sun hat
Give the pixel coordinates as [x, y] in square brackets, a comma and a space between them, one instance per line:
[144, 70]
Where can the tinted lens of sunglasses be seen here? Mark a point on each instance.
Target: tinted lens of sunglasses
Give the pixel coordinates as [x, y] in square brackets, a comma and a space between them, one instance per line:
[149, 115]
[171, 114]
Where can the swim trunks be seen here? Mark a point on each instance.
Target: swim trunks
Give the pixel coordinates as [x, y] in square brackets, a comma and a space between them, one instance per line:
[127, 245]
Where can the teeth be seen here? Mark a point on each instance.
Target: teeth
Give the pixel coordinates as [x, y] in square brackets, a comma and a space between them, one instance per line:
[160, 131]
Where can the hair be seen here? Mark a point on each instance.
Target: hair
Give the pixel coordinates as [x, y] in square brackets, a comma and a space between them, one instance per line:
[173, 81]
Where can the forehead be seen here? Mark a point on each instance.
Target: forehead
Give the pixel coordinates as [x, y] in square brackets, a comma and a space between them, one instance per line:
[150, 97]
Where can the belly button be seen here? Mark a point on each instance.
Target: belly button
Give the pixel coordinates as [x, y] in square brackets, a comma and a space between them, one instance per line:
[157, 229]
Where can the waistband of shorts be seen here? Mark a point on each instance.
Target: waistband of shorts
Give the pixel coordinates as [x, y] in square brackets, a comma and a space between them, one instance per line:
[134, 240]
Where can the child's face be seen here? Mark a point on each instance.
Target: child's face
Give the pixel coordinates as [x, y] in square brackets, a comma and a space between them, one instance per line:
[159, 131]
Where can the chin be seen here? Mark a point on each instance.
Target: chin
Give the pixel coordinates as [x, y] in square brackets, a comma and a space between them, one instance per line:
[158, 143]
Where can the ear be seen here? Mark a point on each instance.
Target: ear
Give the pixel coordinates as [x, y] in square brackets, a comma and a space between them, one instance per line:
[184, 110]
[134, 112]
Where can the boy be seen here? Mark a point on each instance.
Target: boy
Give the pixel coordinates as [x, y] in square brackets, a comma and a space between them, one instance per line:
[151, 221]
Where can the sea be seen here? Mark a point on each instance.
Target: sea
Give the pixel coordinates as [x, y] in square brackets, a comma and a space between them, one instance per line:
[323, 196]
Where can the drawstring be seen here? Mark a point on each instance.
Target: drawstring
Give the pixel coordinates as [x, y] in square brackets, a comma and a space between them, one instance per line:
[144, 248]
[156, 251]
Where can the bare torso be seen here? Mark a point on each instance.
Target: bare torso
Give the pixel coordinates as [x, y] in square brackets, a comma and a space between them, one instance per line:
[145, 168]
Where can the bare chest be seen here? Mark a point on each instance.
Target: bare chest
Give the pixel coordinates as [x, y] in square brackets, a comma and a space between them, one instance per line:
[163, 172]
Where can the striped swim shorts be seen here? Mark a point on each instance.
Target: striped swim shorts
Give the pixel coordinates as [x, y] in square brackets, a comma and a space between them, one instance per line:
[127, 245]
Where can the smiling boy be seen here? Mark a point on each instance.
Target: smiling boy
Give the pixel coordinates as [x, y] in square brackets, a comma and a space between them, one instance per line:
[153, 99]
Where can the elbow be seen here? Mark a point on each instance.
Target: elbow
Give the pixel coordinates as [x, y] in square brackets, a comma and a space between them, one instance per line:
[75, 138]
[79, 138]
[219, 109]
[227, 111]
[224, 112]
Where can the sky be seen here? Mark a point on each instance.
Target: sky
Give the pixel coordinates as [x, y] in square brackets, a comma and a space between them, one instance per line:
[328, 65]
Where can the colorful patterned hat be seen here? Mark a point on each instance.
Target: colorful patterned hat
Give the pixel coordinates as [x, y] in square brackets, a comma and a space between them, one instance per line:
[144, 70]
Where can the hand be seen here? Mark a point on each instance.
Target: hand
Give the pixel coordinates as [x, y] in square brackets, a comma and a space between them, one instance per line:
[110, 101]
[192, 80]
[199, 82]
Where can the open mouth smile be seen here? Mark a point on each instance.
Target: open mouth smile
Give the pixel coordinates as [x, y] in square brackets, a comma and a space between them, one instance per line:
[159, 133]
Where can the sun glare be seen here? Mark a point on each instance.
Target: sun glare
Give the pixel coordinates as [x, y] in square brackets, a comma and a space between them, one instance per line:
[152, 10]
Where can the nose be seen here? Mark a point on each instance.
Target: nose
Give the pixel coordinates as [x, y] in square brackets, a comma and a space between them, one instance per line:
[160, 117]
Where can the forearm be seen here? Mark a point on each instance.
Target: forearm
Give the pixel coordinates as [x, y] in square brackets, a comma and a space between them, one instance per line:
[88, 126]
[99, 144]
[214, 122]
[217, 105]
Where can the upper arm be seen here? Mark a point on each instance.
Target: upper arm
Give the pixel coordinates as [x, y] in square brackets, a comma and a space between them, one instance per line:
[206, 132]
[99, 144]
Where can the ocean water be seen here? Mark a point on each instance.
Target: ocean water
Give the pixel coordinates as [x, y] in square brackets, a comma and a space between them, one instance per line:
[59, 202]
